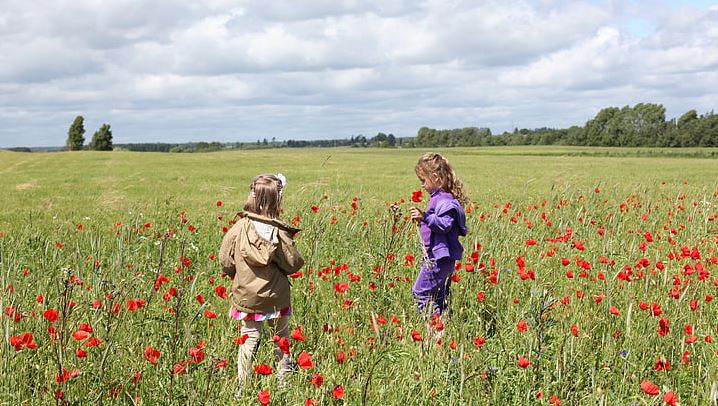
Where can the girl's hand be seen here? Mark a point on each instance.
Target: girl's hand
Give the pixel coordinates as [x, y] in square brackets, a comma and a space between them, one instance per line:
[416, 214]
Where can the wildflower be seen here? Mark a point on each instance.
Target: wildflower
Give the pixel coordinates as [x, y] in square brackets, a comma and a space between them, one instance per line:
[282, 343]
[151, 355]
[50, 315]
[649, 388]
[304, 360]
[523, 362]
[221, 291]
[298, 334]
[521, 326]
[416, 196]
[663, 328]
[340, 357]
[662, 364]
[263, 369]
[263, 397]
[23, 340]
[317, 380]
[670, 398]
[338, 392]
[93, 342]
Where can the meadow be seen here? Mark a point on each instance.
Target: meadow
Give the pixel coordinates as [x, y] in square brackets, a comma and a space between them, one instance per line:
[589, 277]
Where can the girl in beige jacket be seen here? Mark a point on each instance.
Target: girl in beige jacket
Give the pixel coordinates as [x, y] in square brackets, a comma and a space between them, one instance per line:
[258, 253]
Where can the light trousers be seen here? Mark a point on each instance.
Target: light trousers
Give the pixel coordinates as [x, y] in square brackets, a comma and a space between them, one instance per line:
[253, 330]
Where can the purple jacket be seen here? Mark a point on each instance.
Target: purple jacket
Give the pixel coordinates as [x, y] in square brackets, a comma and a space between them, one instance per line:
[444, 221]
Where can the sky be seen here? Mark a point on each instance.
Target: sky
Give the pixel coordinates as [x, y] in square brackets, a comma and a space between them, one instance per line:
[219, 70]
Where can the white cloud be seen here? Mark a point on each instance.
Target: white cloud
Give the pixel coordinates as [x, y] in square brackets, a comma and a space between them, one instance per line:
[238, 69]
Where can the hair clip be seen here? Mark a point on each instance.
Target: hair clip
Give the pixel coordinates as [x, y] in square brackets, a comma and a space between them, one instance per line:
[282, 180]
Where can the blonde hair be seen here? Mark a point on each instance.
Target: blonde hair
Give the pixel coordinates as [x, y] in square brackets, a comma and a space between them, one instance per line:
[265, 196]
[437, 168]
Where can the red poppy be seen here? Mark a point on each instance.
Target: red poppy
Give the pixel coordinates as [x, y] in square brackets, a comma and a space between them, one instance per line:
[415, 336]
[614, 311]
[282, 343]
[298, 334]
[50, 315]
[240, 340]
[663, 328]
[197, 353]
[263, 369]
[340, 357]
[523, 362]
[219, 203]
[221, 291]
[574, 330]
[66, 375]
[478, 342]
[210, 314]
[23, 340]
[316, 379]
[649, 388]
[662, 364]
[93, 342]
[131, 305]
[521, 326]
[263, 397]
[416, 196]
[670, 398]
[338, 392]
[151, 355]
[304, 360]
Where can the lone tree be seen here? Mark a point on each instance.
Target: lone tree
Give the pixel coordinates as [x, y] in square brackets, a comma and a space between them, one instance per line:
[76, 134]
[102, 139]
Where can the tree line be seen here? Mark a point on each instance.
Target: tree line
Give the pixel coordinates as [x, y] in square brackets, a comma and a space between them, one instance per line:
[642, 125]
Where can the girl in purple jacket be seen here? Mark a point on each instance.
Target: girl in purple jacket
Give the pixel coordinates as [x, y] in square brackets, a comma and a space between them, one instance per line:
[440, 227]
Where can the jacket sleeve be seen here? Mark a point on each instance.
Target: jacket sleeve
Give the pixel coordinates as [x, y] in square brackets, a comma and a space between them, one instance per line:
[288, 258]
[226, 255]
[441, 220]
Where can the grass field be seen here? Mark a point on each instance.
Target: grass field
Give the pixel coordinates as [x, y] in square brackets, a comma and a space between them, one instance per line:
[595, 266]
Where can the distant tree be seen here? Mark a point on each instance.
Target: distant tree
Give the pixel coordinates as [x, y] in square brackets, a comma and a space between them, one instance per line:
[76, 134]
[102, 139]
[391, 140]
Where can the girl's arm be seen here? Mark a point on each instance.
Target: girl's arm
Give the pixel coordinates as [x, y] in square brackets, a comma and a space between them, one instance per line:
[439, 222]
[226, 255]
[288, 258]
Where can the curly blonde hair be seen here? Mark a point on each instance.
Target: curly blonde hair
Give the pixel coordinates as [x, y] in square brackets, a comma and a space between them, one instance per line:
[437, 168]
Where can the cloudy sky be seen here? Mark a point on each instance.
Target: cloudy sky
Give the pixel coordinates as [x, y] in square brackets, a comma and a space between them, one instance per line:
[220, 70]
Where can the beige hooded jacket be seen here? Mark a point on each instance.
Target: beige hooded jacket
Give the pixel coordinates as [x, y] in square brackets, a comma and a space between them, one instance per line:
[259, 267]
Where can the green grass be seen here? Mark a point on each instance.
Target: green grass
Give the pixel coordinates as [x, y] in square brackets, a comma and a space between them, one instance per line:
[135, 210]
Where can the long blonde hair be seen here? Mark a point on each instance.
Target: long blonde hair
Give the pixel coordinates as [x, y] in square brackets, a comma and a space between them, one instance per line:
[437, 168]
[265, 196]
